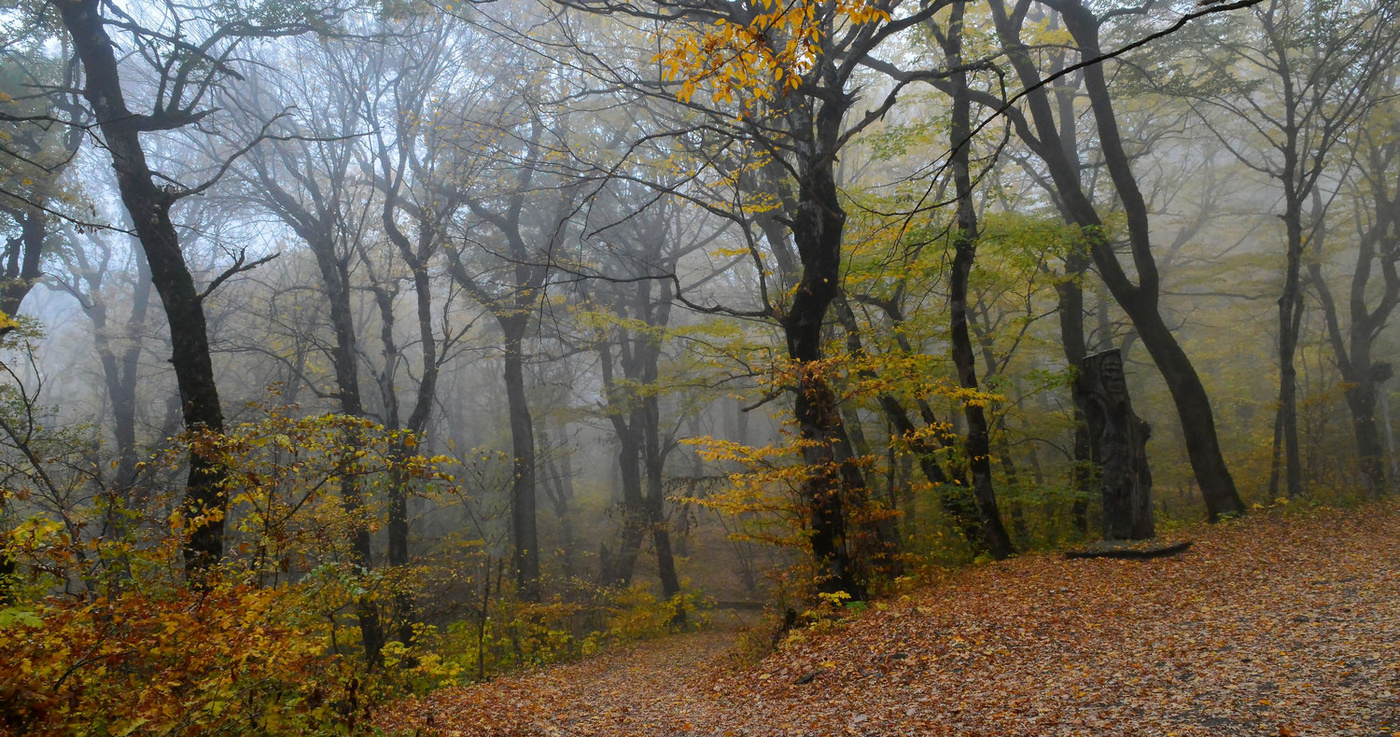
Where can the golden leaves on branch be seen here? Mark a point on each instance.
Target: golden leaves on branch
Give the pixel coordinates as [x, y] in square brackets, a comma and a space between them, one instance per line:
[754, 61]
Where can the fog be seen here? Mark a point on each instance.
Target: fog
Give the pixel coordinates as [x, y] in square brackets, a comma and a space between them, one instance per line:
[731, 313]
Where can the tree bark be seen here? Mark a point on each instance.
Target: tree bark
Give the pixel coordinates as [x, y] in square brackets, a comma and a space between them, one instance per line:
[23, 254]
[977, 443]
[1138, 300]
[1119, 438]
[620, 563]
[524, 534]
[205, 500]
[817, 229]
[1290, 317]
[1363, 375]
[317, 224]
[1070, 309]
[559, 484]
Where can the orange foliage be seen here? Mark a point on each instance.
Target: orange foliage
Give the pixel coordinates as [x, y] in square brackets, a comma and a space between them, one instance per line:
[1280, 623]
[102, 635]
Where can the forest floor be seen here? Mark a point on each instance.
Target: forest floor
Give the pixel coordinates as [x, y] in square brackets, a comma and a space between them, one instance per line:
[1277, 624]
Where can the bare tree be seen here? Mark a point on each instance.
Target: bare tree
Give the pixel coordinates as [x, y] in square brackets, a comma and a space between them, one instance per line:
[1374, 193]
[1298, 79]
[190, 50]
[309, 179]
[522, 211]
[1138, 295]
[41, 130]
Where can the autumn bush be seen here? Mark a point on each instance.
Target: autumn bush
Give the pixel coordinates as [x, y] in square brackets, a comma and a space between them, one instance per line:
[517, 634]
[101, 634]
[232, 658]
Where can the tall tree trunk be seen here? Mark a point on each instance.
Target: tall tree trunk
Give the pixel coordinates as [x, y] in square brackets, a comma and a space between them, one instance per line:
[655, 464]
[832, 480]
[1069, 291]
[560, 486]
[1362, 399]
[124, 394]
[977, 443]
[120, 361]
[1138, 300]
[205, 500]
[335, 285]
[1070, 309]
[1364, 377]
[1290, 318]
[318, 225]
[1389, 443]
[417, 259]
[622, 561]
[524, 534]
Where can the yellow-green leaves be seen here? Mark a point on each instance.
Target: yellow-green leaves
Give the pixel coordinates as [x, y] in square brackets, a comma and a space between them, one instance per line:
[756, 60]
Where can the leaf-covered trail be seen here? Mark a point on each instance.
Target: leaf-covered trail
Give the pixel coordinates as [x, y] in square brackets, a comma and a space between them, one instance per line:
[1267, 626]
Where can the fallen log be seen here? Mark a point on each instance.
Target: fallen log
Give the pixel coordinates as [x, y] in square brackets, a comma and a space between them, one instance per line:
[1131, 549]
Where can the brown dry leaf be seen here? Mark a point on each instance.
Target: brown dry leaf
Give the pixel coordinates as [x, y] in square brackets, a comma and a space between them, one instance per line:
[1270, 625]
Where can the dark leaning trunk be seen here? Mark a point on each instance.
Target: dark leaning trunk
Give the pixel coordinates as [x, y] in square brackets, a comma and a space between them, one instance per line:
[955, 499]
[977, 443]
[1188, 393]
[526, 557]
[1139, 301]
[1193, 408]
[205, 501]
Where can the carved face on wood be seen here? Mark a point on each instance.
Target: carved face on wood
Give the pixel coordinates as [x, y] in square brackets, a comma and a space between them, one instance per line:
[1111, 374]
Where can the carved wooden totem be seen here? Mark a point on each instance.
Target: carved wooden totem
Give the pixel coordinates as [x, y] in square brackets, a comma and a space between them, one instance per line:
[1119, 442]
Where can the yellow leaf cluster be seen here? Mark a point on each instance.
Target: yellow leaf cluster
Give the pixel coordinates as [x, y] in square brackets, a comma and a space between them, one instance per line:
[764, 57]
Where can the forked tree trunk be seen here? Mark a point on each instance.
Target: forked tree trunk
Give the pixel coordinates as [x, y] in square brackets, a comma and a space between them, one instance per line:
[23, 257]
[1140, 300]
[205, 501]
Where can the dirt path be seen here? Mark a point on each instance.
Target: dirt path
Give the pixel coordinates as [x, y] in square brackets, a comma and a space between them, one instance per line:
[1270, 626]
